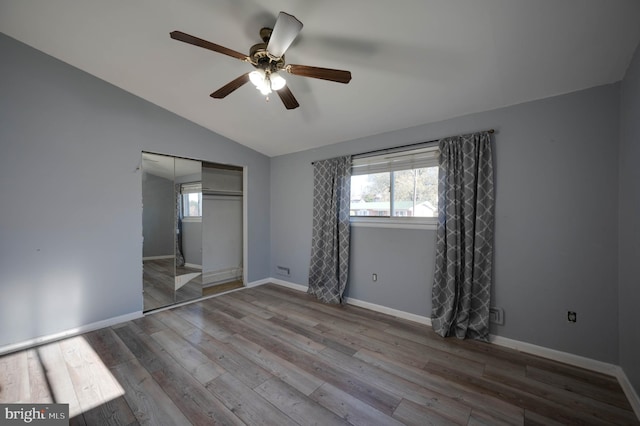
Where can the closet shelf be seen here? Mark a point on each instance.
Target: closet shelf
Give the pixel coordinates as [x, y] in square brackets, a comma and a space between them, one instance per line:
[221, 192]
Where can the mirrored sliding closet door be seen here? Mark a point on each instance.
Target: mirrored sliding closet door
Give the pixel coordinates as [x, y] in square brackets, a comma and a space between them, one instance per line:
[192, 229]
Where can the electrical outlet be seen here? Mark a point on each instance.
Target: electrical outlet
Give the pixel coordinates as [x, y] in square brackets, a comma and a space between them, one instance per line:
[374, 277]
[572, 316]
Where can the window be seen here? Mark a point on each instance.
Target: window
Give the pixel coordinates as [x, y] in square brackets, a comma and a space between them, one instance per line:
[191, 199]
[397, 187]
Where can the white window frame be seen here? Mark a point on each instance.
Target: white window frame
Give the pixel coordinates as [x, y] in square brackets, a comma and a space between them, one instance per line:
[396, 160]
[190, 188]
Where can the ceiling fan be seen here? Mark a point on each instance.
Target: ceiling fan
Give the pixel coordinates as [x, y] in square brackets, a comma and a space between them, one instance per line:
[268, 59]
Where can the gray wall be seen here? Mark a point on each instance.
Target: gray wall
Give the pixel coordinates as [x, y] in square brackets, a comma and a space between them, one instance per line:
[556, 230]
[157, 216]
[222, 221]
[400, 264]
[71, 232]
[630, 223]
[222, 233]
[192, 242]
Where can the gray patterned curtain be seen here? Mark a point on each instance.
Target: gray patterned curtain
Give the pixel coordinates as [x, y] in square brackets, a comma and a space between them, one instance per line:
[178, 226]
[461, 292]
[329, 266]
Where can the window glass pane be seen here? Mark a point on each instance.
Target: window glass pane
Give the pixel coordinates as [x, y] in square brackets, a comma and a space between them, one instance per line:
[415, 192]
[192, 204]
[370, 195]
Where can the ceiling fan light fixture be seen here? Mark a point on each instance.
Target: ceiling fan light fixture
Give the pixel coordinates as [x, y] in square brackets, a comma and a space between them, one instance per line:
[260, 79]
[264, 89]
[257, 77]
[277, 81]
[266, 82]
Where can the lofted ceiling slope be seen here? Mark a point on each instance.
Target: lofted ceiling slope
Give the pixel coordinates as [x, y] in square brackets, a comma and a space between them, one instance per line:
[412, 61]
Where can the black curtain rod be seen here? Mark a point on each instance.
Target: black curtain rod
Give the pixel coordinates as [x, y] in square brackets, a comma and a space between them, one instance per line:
[376, 151]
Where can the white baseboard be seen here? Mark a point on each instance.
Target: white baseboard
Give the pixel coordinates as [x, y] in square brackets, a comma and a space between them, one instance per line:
[193, 266]
[283, 283]
[361, 303]
[169, 256]
[552, 354]
[564, 357]
[222, 275]
[259, 282]
[69, 333]
[389, 311]
[629, 391]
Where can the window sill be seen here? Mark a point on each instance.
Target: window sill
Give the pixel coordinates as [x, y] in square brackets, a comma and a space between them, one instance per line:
[195, 219]
[395, 222]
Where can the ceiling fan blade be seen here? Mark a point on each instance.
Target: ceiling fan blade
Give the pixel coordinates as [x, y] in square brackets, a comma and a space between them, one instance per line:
[287, 97]
[339, 76]
[180, 36]
[230, 87]
[284, 32]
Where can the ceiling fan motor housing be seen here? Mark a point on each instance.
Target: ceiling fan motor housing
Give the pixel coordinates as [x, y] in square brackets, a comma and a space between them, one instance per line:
[260, 57]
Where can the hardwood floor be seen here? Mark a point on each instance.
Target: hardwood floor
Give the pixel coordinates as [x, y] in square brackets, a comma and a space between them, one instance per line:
[270, 355]
[221, 288]
[159, 284]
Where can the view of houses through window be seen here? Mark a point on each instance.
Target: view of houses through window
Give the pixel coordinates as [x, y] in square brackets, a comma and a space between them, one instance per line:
[400, 193]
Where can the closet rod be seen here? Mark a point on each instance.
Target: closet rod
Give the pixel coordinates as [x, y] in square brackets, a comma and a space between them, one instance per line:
[380, 151]
[220, 194]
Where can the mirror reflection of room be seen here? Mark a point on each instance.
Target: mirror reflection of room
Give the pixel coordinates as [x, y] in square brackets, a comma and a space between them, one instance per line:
[192, 229]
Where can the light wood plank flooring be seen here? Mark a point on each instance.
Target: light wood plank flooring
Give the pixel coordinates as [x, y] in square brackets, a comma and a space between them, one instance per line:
[270, 355]
[159, 286]
[221, 288]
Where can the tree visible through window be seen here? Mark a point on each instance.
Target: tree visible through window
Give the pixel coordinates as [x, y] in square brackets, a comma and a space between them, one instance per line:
[191, 199]
[400, 185]
[191, 204]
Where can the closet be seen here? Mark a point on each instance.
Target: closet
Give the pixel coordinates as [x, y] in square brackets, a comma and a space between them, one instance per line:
[192, 223]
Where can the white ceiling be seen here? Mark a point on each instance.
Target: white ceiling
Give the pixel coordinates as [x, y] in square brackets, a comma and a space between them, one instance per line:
[412, 61]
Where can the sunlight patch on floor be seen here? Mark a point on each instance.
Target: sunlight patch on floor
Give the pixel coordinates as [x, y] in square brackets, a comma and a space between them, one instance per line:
[77, 376]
